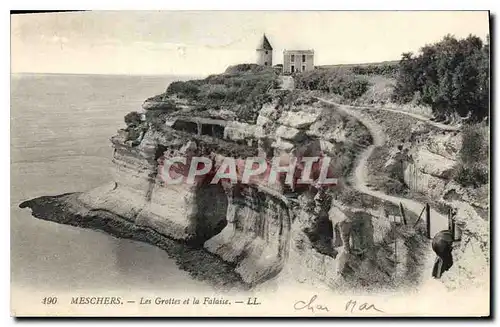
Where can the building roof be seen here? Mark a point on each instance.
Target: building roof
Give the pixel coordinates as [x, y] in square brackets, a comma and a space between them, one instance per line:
[298, 51]
[265, 44]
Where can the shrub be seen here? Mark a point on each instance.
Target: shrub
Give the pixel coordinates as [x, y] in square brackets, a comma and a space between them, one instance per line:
[244, 68]
[132, 118]
[470, 176]
[188, 89]
[472, 169]
[242, 88]
[388, 69]
[354, 88]
[452, 76]
[475, 145]
[337, 80]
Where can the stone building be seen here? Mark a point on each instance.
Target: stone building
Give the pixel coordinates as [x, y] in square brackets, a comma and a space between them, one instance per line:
[294, 61]
[297, 61]
[265, 53]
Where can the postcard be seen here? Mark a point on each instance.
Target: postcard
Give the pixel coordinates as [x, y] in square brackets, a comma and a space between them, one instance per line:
[250, 163]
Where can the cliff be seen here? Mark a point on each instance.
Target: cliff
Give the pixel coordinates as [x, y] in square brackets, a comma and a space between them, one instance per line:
[244, 234]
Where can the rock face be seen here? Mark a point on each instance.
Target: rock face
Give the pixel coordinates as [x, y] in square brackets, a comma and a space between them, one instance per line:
[299, 120]
[252, 227]
[472, 257]
[256, 237]
[428, 164]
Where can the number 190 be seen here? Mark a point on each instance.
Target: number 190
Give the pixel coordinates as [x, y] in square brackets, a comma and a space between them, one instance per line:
[49, 300]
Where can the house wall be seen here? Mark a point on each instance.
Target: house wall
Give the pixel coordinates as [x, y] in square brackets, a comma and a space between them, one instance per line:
[298, 64]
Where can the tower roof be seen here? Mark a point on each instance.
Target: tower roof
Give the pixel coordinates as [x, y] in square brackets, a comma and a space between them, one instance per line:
[265, 44]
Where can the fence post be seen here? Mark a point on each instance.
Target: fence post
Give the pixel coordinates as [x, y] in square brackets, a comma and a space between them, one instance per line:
[419, 216]
[451, 224]
[449, 220]
[428, 220]
[402, 210]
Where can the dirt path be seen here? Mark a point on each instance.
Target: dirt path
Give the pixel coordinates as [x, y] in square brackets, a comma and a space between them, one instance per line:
[427, 120]
[359, 177]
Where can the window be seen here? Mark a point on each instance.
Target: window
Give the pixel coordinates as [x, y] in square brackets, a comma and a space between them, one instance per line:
[267, 52]
[265, 63]
[303, 58]
[303, 68]
[292, 58]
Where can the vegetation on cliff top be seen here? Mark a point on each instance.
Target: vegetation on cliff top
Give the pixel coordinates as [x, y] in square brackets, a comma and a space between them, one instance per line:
[338, 80]
[242, 89]
[473, 165]
[451, 76]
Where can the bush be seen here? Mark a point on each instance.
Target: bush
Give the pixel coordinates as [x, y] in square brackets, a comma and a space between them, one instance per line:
[452, 76]
[132, 118]
[475, 145]
[470, 176]
[355, 88]
[242, 88]
[244, 68]
[389, 69]
[188, 89]
[473, 167]
[338, 80]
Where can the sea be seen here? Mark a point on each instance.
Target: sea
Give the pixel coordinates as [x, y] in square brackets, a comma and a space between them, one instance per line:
[60, 142]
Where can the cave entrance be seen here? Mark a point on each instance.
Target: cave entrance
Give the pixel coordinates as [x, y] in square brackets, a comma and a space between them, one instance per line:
[213, 130]
[211, 207]
[186, 126]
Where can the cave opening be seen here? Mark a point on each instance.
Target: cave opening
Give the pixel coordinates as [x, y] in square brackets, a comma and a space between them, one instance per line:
[213, 130]
[211, 210]
[186, 126]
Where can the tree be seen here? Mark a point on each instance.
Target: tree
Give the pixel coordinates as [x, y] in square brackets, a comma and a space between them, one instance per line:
[132, 118]
[451, 76]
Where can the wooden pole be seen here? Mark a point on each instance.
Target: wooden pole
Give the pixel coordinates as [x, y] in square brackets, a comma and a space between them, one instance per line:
[402, 210]
[452, 225]
[449, 220]
[419, 216]
[428, 220]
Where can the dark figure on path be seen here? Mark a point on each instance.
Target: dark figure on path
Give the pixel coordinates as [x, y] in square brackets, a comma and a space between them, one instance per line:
[442, 244]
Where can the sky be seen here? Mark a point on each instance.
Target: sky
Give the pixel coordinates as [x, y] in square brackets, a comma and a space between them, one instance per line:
[206, 42]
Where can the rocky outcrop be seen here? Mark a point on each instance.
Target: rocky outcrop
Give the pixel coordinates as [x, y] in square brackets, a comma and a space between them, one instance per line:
[299, 119]
[256, 237]
[249, 227]
[472, 257]
[426, 165]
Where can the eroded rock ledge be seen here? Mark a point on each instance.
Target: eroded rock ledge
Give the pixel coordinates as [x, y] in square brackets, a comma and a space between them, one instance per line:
[202, 265]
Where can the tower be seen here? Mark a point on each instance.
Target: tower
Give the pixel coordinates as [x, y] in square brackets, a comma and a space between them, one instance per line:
[265, 53]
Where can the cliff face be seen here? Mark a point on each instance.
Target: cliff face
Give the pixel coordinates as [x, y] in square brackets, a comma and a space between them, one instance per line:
[249, 226]
[472, 255]
[256, 237]
[257, 230]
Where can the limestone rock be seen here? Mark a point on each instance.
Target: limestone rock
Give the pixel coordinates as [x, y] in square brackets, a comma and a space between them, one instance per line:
[472, 259]
[269, 110]
[282, 145]
[433, 164]
[298, 119]
[238, 131]
[289, 133]
[262, 120]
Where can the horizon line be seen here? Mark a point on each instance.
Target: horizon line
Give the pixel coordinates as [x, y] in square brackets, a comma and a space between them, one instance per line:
[192, 75]
[114, 74]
